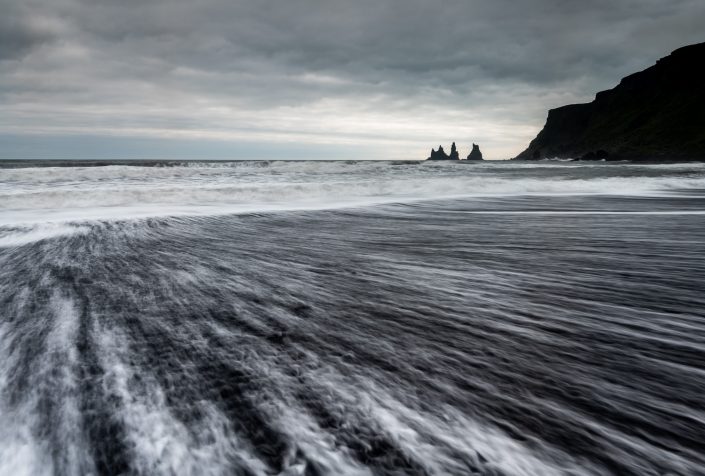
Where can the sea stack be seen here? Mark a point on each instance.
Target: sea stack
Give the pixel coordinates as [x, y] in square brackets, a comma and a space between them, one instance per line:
[454, 153]
[439, 154]
[475, 153]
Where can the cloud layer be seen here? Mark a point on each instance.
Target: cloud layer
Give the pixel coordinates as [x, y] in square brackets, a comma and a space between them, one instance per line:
[367, 79]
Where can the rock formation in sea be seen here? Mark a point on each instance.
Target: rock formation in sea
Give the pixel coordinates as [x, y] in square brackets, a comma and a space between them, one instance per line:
[438, 154]
[475, 153]
[655, 114]
[454, 154]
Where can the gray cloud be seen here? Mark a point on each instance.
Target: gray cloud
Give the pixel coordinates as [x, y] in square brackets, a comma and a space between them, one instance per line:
[19, 32]
[407, 73]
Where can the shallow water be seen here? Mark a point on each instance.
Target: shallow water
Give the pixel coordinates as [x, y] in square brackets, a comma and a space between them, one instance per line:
[353, 318]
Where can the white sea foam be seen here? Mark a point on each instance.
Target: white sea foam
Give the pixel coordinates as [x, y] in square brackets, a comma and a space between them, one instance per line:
[20, 452]
[64, 194]
[59, 371]
[162, 444]
[10, 237]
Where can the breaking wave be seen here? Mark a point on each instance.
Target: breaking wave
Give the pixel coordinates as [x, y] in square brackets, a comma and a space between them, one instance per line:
[31, 195]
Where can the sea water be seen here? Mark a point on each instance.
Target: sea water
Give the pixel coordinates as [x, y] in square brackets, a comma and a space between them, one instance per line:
[334, 318]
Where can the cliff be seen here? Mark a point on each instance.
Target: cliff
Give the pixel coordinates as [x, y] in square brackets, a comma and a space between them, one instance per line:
[656, 114]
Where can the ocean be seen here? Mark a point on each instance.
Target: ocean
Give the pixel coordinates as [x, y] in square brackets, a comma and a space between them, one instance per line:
[352, 318]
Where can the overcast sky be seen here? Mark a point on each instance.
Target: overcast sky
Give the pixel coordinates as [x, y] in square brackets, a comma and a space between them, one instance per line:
[312, 78]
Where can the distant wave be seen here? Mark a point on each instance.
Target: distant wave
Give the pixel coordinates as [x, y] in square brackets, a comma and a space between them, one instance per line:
[60, 194]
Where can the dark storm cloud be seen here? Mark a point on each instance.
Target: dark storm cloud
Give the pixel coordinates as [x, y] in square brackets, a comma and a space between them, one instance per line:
[535, 40]
[19, 34]
[315, 69]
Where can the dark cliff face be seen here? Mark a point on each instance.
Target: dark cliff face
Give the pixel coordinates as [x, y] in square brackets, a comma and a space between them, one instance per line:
[656, 114]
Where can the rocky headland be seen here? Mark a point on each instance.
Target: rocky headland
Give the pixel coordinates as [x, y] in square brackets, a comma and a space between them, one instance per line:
[656, 114]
